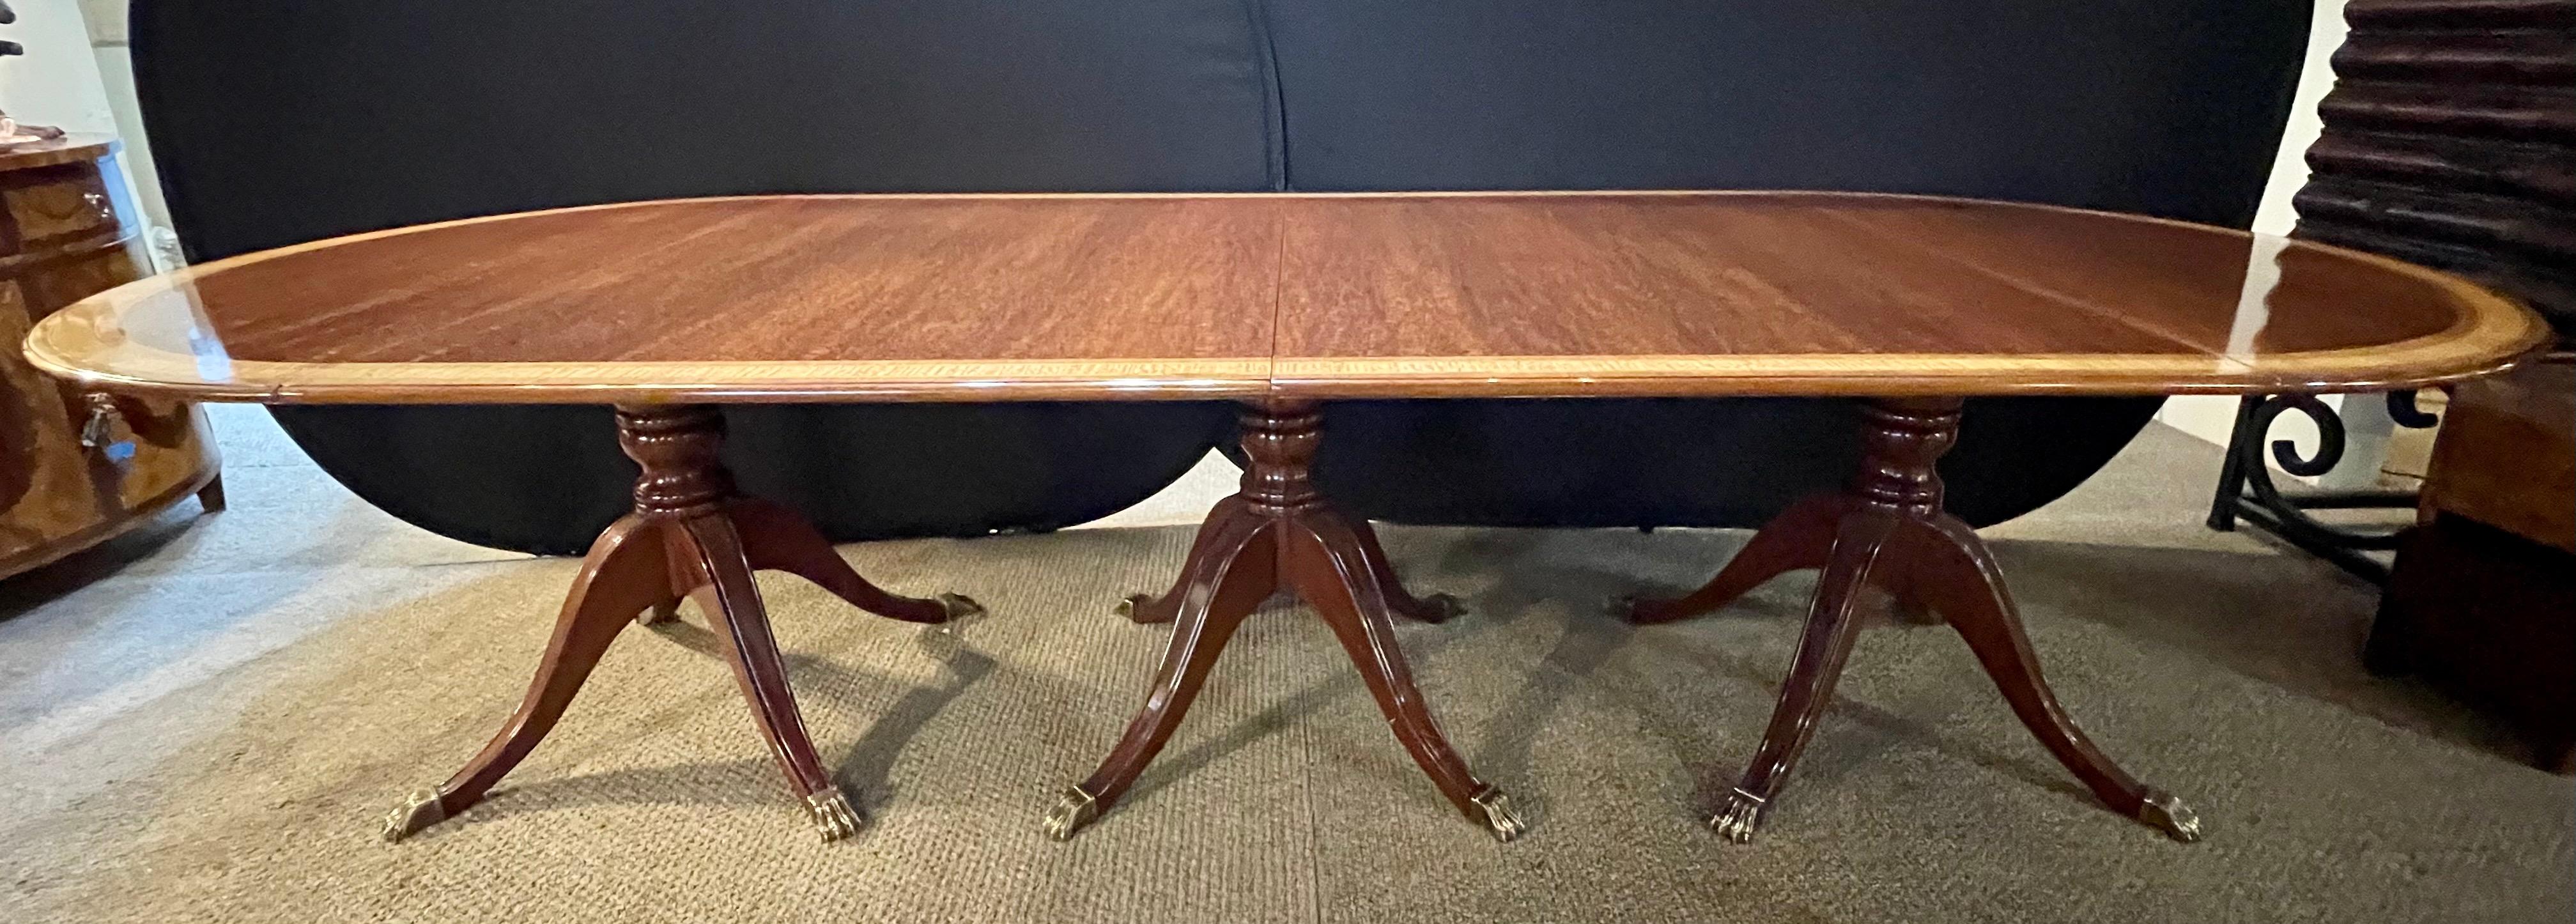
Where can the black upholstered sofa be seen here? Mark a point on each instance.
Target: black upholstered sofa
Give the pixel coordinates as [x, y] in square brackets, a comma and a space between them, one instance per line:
[279, 123]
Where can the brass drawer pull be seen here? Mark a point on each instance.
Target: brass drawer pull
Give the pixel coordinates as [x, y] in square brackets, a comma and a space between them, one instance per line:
[99, 429]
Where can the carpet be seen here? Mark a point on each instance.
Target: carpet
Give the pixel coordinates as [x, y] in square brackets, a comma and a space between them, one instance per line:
[2210, 665]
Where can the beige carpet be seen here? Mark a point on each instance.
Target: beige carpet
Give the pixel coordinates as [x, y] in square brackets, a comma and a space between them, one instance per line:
[247, 787]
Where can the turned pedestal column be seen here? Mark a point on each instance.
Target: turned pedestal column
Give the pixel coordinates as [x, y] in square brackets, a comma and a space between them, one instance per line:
[1278, 534]
[1887, 528]
[690, 535]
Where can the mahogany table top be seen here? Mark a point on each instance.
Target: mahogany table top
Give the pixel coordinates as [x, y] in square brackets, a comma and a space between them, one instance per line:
[1006, 297]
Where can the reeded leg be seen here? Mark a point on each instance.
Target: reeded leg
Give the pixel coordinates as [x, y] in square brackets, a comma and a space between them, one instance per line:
[732, 604]
[1433, 609]
[1888, 527]
[777, 539]
[1953, 573]
[1325, 564]
[1278, 529]
[622, 574]
[690, 535]
[1232, 571]
[1822, 649]
[1798, 538]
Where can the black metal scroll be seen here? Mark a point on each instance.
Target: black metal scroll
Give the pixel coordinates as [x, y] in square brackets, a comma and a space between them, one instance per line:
[2246, 491]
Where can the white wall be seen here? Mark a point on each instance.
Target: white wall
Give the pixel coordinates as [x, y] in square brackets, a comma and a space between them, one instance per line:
[116, 71]
[77, 76]
[56, 83]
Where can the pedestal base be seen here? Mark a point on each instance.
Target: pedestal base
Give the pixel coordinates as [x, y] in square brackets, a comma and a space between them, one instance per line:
[1888, 529]
[1277, 535]
[689, 536]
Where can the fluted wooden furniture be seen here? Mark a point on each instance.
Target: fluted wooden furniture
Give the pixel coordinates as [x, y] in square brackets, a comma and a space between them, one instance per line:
[2450, 141]
[78, 466]
[1287, 303]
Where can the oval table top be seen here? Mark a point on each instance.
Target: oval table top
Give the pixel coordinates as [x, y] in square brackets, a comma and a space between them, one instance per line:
[1116, 296]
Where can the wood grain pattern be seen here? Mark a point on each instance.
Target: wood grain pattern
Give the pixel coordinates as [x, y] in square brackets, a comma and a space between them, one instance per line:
[960, 297]
[2506, 456]
[1820, 293]
[64, 238]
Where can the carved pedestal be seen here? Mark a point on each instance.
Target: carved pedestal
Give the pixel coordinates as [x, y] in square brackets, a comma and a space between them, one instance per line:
[1888, 528]
[1278, 534]
[690, 535]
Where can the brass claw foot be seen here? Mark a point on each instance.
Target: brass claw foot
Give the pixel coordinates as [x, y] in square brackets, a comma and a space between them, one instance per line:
[946, 639]
[833, 815]
[1505, 823]
[1741, 815]
[419, 810]
[2166, 813]
[959, 606]
[1076, 810]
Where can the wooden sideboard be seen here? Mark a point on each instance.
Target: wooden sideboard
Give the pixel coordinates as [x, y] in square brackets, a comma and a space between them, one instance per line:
[77, 467]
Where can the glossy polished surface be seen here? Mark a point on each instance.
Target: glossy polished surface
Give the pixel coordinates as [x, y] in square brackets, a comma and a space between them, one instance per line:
[1817, 293]
[1139, 296]
[970, 298]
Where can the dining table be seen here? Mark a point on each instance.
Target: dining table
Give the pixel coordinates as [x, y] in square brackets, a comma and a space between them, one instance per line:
[1904, 306]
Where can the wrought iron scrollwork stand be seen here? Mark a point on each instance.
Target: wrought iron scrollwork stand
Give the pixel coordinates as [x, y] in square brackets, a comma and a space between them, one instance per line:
[2246, 491]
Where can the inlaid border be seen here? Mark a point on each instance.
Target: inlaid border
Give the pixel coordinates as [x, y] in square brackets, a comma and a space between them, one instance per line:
[83, 342]
[2491, 334]
[140, 370]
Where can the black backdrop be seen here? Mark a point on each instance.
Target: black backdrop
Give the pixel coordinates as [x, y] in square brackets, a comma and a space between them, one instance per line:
[281, 122]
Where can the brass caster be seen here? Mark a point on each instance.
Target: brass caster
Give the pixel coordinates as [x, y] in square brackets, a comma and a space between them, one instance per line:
[833, 815]
[1499, 817]
[1742, 814]
[419, 810]
[2165, 813]
[1077, 809]
[959, 606]
[1134, 606]
[947, 637]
